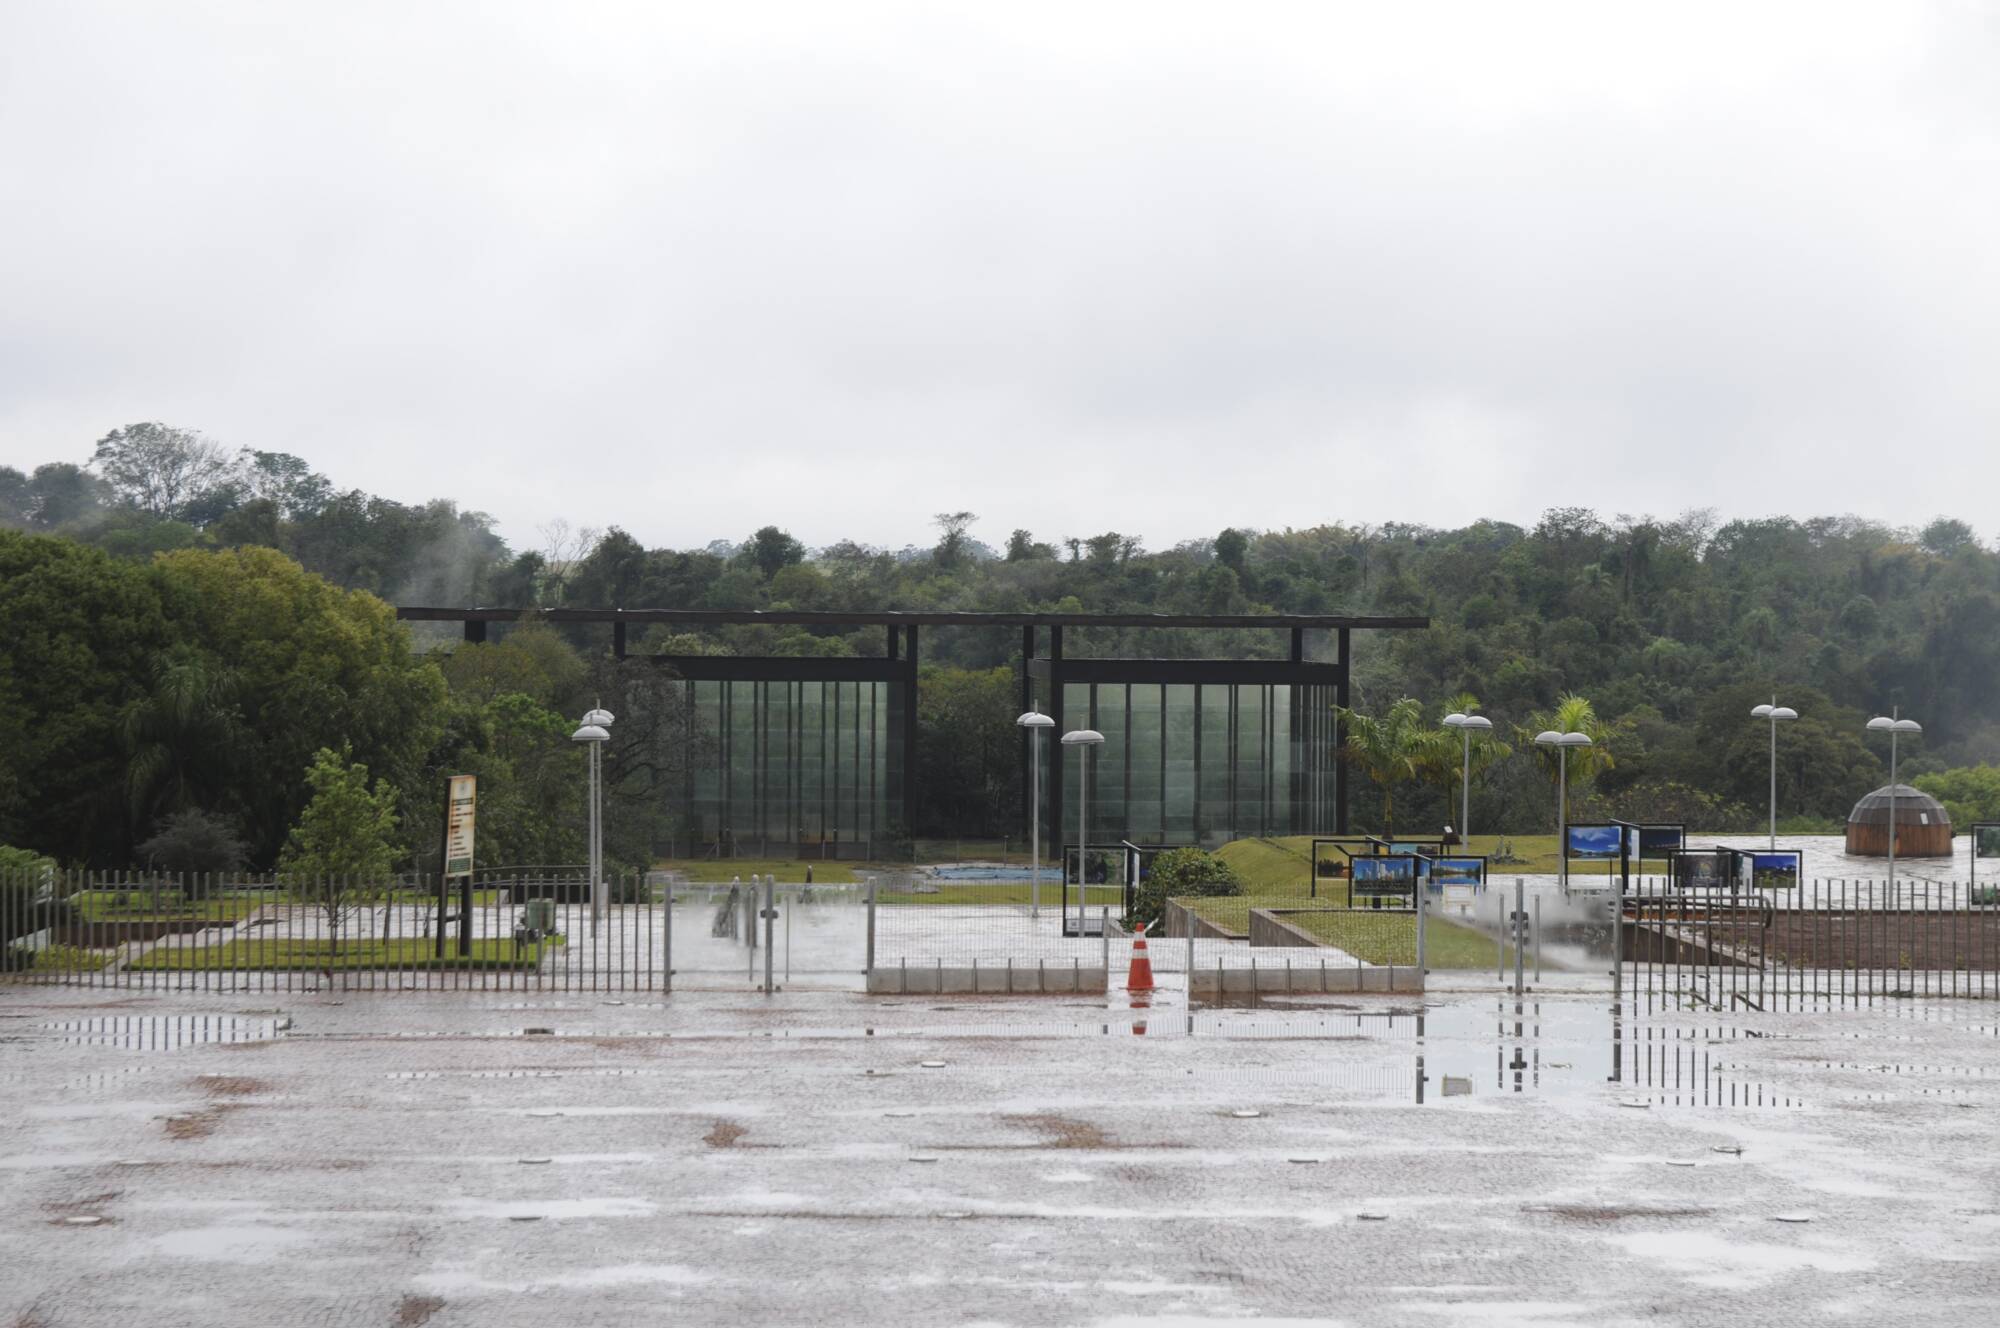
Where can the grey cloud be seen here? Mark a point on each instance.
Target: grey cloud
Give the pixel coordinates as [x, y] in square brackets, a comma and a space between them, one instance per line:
[692, 269]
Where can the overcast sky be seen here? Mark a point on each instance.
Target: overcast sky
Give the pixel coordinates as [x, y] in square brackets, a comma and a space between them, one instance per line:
[689, 269]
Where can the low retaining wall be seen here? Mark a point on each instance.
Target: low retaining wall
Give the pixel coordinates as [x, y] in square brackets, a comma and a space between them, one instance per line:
[1179, 920]
[1689, 946]
[1002, 979]
[1304, 978]
[1269, 927]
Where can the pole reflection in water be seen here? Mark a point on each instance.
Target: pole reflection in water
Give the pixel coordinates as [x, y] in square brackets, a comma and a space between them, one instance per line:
[1679, 1065]
[1420, 1056]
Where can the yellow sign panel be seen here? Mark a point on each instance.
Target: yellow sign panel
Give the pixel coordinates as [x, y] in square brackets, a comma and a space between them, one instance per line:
[458, 825]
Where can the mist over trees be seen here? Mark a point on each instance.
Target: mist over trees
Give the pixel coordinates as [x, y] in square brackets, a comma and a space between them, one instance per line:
[1671, 628]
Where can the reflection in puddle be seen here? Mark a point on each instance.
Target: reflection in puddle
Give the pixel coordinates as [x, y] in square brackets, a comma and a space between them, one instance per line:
[1576, 1051]
[164, 1032]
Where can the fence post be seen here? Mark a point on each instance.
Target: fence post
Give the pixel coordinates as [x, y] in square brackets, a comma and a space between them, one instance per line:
[1538, 938]
[770, 926]
[868, 967]
[1520, 930]
[1423, 917]
[1618, 937]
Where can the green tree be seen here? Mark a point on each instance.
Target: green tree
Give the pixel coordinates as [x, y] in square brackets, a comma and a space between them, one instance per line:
[169, 474]
[1391, 750]
[950, 553]
[182, 738]
[81, 631]
[771, 549]
[1824, 761]
[1969, 793]
[348, 827]
[313, 667]
[1572, 714]
[531, 659]
[343, 848]
[1446, 757]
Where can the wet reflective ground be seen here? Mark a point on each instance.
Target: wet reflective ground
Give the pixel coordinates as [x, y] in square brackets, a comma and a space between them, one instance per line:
[1467, 1157]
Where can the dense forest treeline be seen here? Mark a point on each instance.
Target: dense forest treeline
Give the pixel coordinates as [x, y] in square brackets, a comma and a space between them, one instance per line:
[1672, 628]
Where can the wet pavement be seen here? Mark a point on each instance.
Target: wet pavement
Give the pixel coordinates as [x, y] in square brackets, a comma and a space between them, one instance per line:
[1466, 1157]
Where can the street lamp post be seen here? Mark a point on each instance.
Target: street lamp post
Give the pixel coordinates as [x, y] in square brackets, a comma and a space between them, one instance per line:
[1775, 713]
[1467, 725]
[595, 730]
[1895, 726]
[1035, 721]
[1562, 742]
[1083, 740]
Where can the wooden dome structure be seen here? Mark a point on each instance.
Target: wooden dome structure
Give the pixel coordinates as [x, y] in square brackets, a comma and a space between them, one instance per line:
[1923, 830]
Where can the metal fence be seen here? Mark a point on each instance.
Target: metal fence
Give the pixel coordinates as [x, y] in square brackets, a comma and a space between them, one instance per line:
[1817, 941]
[908, 932]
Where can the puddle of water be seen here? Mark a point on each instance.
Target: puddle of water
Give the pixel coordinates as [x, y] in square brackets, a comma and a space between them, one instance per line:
[259, 1243]
[618, 1275]
[554, 1210]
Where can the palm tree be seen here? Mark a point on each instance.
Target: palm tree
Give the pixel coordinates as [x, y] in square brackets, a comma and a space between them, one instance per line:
[181, 740]
[1445, 758]
[1573, 714]
[1397, 747]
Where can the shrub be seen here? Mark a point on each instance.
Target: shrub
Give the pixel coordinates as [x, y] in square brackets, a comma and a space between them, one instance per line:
[25, 862]
[28, 903]
[194, 841]
[1178, 873]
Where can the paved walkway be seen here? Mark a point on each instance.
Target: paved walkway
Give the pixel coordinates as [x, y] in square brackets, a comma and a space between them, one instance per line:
[447, 1159]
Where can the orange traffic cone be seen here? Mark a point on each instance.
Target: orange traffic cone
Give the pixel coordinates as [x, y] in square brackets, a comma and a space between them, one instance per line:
[1140, 976]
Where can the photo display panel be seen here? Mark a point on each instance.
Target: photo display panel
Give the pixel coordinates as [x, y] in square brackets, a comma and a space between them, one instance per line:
[1595, 842]
[1777, 869]
[1711, 870]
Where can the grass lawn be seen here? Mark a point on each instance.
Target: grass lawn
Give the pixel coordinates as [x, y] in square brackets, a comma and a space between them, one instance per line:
[299, 955]
[724, 870]
[136, 906]
[1376, 937]
[1282, 866]
[1447, 945]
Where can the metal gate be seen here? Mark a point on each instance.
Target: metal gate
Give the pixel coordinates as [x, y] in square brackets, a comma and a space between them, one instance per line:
[765, 936]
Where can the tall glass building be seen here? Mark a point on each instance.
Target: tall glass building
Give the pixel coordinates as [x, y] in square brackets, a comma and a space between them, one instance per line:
[790, 769]
[1204, 763]
[809, 757]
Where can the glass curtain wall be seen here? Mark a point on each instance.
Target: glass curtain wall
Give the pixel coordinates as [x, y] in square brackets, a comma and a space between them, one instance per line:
[794, 769]
[1188, 764]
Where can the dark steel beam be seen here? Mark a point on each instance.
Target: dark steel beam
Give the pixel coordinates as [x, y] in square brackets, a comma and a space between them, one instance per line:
[1342, 698]
[909, 807]
[815, 618]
